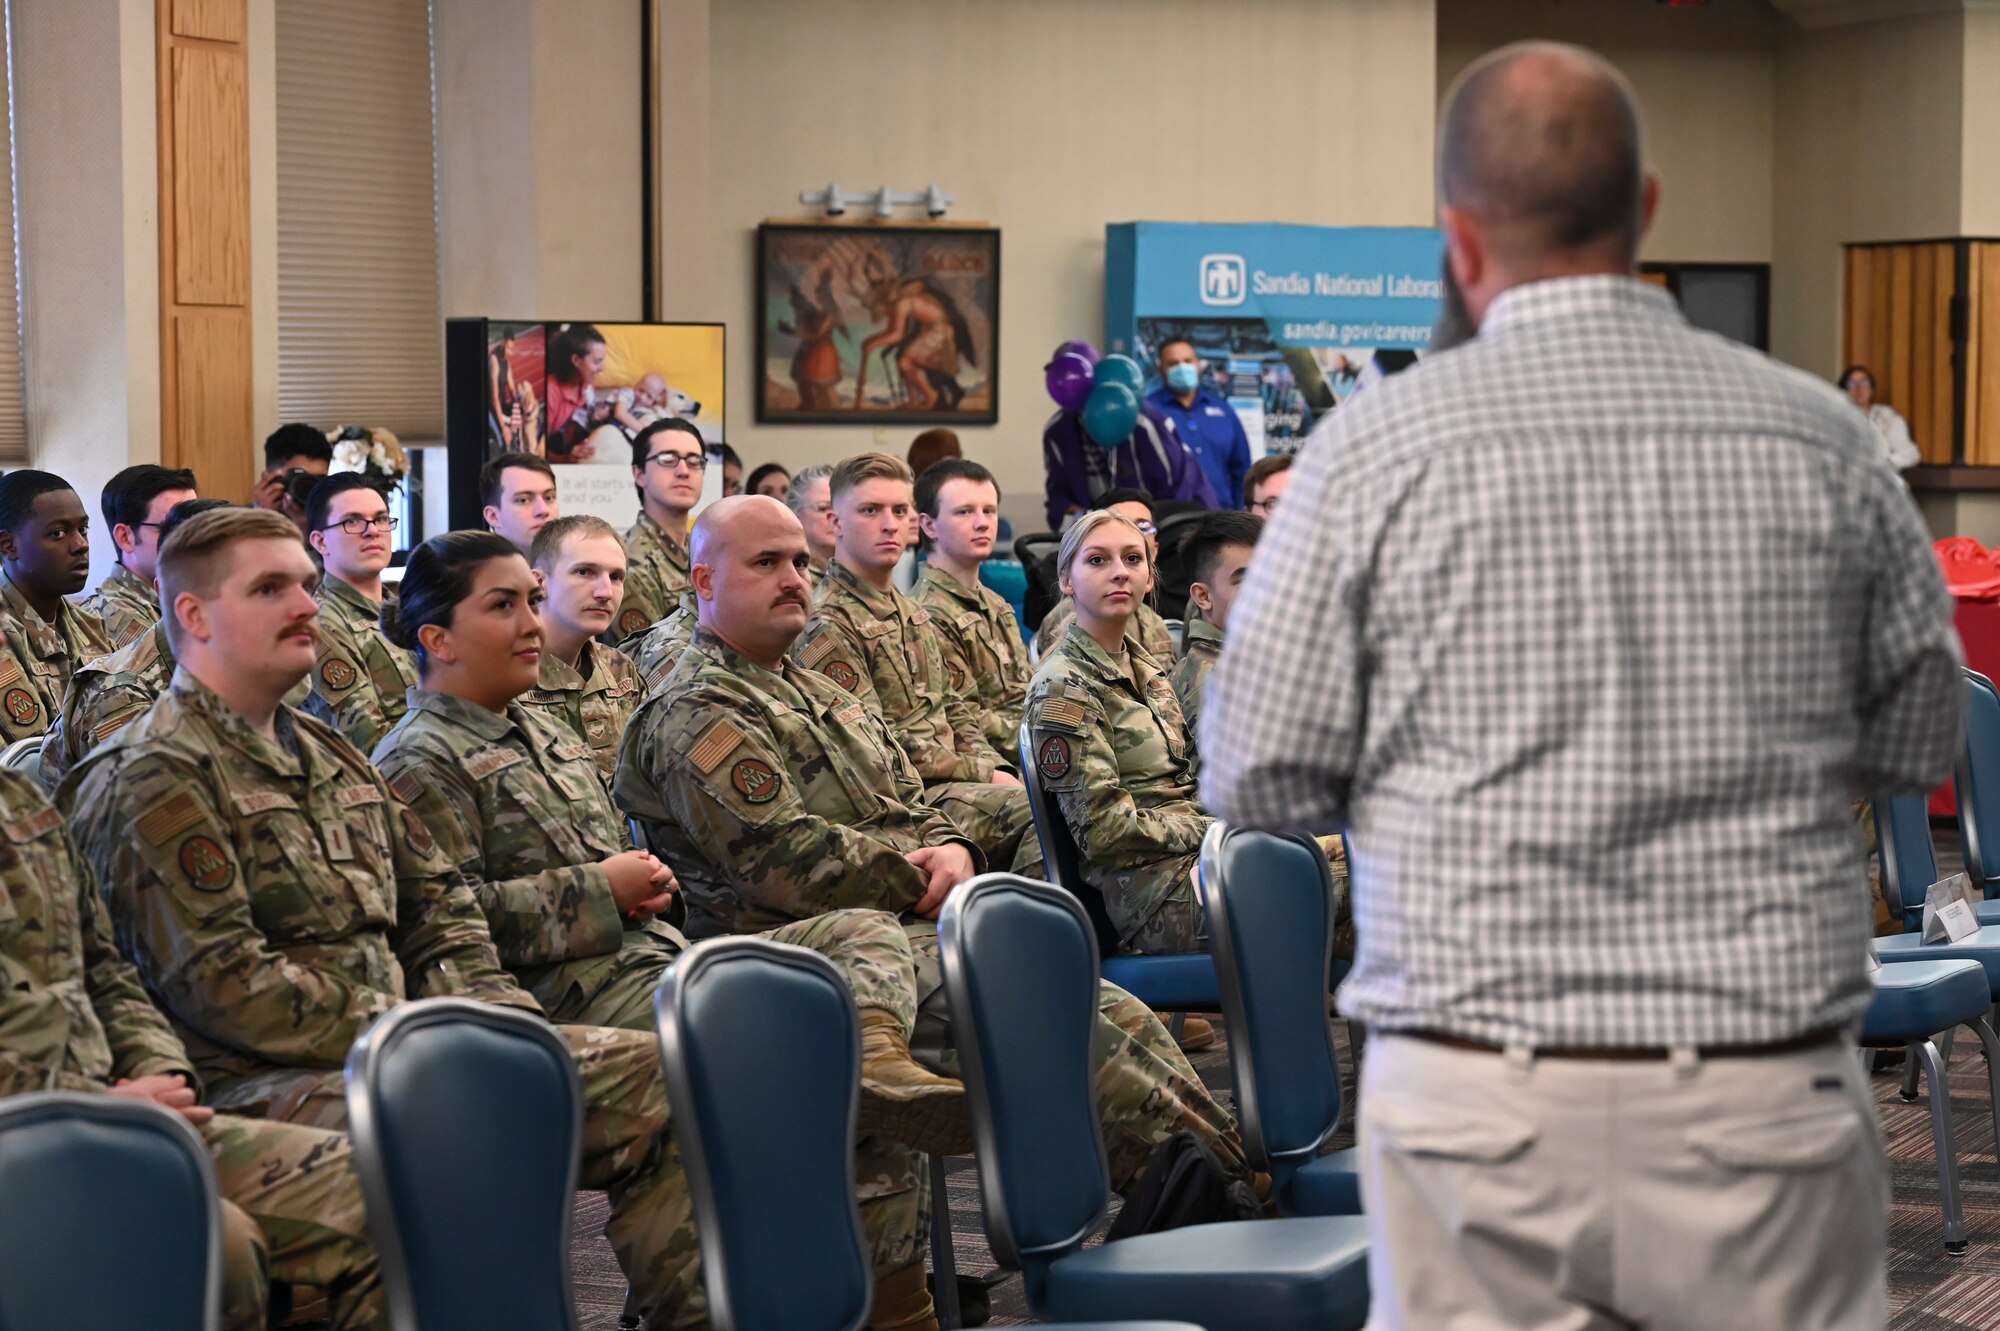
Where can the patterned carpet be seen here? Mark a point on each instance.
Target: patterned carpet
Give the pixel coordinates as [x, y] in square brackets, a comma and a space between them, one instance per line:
[1929, 1290]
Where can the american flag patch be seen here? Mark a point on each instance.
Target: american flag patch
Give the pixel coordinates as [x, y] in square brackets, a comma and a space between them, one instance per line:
[1062, 712]
[170, 817]
[709, 751]
[817, 650]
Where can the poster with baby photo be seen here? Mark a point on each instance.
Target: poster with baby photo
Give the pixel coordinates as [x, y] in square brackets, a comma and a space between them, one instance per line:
[577, 394]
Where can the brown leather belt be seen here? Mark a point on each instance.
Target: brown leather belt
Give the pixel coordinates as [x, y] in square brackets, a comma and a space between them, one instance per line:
[1828, 1035]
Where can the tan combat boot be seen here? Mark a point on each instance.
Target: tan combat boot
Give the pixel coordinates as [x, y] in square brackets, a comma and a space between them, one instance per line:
[901, 1099]
[903, 1299]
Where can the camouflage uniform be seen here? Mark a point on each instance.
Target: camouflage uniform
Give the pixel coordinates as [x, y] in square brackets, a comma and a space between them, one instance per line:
[1109, 746]
[360, 678]
[276, 898]
[73, 1017]
[787, 798]
[592, 702]
[815, 570]
[1148, 630]
[655, 651]
[514, 800]
[994, 656]
[110, 693]
[881, 647]
[127, 605]
[1204, 649]
[37, 658]
[656, 573]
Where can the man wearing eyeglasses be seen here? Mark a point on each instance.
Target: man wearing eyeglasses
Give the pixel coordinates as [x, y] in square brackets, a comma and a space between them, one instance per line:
[668, 458]
[135, 503]
[1265, 482]
[360, 677]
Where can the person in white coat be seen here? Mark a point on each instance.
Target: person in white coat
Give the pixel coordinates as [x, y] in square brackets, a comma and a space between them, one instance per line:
[1890, 428]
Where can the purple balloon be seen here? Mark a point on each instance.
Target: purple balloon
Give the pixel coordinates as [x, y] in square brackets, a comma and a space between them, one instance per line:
[1069, 380]
[1078, 347]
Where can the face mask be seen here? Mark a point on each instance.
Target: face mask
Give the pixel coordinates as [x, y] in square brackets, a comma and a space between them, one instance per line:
[1183, 377]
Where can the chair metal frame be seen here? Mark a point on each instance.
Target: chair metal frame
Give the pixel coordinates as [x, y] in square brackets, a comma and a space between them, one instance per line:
[670, 1010]
[1965, 781]
[376, 1045]
[138, 1115]
[1222, 945]
[972, 1063]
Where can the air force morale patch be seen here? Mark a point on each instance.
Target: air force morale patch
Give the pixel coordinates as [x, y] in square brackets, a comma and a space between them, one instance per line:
[21, 706]
[754, 780]
[1053, 758]
[337, 673]
[843, 674]
[204, 864]
[632, 621]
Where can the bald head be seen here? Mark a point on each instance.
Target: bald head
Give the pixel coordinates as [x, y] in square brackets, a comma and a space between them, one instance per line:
[1541, 144]
[747, 565]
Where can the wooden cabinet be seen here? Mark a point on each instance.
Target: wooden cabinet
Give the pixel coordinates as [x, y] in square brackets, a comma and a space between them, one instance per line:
[1924, 317]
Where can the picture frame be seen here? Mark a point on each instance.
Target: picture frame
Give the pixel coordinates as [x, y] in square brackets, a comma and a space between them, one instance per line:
[877, 324]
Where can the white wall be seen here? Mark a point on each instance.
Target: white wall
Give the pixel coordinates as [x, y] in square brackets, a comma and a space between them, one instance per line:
[1706, 77]
[1048, 118]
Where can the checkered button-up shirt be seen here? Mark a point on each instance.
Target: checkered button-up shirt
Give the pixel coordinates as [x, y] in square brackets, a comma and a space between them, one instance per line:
[1586, 630]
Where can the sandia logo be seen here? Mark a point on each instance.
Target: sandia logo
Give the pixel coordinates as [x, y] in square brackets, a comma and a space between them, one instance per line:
[1223, 281]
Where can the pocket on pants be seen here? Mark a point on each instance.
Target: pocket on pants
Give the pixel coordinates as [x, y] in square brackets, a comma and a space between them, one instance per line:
[1480, 1137]
[1788, 1141]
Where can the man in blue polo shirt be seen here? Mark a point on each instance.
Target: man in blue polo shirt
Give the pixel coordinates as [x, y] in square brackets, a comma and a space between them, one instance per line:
[1204, 421]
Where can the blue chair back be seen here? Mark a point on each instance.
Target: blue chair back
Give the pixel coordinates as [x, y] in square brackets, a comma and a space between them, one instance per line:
[1020, 969]
[1059, 852]
[109, 1218]
[1976, 782]
[1909, 864]
[1270, 909]
[761, 1048]
[467, 1120]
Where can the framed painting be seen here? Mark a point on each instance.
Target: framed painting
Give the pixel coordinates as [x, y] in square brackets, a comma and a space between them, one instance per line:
[862, 324]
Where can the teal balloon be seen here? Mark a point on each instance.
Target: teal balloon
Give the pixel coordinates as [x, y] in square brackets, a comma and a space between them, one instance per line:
[1110, 413]
[1120, 369]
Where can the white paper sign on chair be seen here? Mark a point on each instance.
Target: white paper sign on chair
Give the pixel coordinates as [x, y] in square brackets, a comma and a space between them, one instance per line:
[1948, 913]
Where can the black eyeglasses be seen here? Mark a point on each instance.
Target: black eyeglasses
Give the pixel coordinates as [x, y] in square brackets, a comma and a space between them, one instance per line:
[668, 461]
[357, 526]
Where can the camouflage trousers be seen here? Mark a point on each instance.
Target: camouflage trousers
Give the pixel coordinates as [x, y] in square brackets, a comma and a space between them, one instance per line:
[870, 950]
[994, 818]
[627, 1153]
[291, 1212]
[1179, 924]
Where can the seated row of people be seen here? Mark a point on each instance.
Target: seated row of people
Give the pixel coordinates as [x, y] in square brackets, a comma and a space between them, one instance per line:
[272, 891]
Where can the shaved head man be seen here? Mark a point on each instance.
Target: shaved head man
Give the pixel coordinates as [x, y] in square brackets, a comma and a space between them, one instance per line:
[1643, 607]
[1540, 172]
[748, 558]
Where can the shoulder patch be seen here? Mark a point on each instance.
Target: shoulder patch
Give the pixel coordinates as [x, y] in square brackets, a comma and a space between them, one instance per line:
[171, 816]
[843, 674]
[660, 673]
[205, 865]
[632, 621]
[10, 668]
[337, 673]
[417, 834]
[1061, 712]
[754, 780]
[406, 787]
[718, 743]
[34, 825]
[111, 725]
[488, 761]
[810, 655]
[22, 708]
[367, 792]
[1052, 756]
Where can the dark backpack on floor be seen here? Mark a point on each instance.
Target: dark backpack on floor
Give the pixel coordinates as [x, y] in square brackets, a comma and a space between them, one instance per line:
[1184, 1184]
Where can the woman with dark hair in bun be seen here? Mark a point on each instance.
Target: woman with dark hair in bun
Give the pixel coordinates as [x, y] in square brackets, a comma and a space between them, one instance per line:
[516, 801]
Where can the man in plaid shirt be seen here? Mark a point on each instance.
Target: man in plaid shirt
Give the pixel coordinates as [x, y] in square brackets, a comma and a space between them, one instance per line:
[1585, 631]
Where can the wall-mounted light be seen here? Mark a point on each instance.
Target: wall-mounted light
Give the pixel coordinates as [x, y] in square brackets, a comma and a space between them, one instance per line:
[883, 202]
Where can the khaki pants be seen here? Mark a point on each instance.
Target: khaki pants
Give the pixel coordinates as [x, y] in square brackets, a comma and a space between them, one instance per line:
[1509, 1192]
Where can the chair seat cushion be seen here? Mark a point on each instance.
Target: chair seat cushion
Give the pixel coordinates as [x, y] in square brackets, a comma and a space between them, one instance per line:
[1986, 910]
[1184, 982]
[1919, 997]
[1982, 947]
[1251, 1275]
[1329, 1185]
